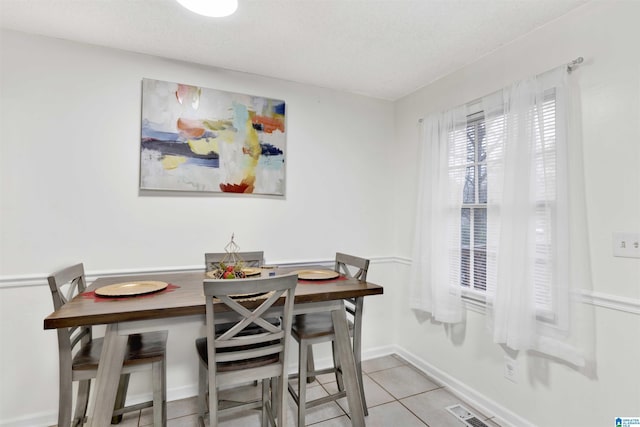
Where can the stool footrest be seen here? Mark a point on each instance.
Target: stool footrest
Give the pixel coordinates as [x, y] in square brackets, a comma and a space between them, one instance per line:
[131, 408]
[325, 399]
[316, 402]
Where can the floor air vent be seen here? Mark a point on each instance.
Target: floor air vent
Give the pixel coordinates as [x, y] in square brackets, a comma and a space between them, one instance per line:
[466, 416]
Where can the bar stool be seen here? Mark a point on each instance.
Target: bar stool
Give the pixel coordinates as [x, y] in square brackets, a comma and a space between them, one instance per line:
[251, 349]
[79, 356]
[315, 328]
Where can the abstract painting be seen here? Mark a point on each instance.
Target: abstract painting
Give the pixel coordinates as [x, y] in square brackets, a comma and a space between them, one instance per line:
[199, 139]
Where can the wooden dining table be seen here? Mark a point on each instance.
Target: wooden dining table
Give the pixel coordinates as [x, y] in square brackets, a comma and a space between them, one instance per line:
[184, 297]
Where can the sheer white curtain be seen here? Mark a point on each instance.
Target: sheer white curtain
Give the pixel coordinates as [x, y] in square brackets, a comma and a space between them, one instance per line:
[435, 271]
[533, 261]
[536, 251]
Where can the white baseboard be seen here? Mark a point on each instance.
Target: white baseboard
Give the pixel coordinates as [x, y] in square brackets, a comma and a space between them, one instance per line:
[32, 420]
[51, 418]
[458, 388]
[504, 416]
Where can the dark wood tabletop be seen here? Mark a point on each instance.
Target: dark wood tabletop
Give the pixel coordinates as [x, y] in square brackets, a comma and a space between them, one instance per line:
[184, 298]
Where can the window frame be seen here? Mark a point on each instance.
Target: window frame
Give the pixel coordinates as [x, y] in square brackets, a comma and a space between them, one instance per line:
[471, 292]
[472, 297]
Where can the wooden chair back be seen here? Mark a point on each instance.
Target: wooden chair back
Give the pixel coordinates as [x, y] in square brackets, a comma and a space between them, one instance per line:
[252, 347]
[343, 261]
[64, 286]
[251, 259]
[353, 306]
[79, 353]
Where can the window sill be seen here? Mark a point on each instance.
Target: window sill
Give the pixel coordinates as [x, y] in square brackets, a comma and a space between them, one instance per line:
[474, 301]
[477, 302]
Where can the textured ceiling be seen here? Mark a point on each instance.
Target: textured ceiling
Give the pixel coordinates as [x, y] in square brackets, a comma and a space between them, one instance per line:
[380, 48]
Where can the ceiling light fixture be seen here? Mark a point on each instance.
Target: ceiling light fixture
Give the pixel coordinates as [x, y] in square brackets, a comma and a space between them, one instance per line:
[212, 8]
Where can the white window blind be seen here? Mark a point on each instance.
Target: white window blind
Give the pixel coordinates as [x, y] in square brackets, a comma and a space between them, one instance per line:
[544, 123]
[500, 217]
[472, 143]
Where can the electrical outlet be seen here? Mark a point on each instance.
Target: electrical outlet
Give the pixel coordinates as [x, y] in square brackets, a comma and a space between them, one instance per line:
[626, 245]
[510, 369]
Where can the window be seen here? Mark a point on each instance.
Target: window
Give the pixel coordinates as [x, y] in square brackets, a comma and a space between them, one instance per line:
[473, 212]
[545, 209]
[473, 233]
[500, 222]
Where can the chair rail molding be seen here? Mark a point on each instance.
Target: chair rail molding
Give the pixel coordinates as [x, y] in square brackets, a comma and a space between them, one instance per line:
[598, 299]
[40, 279]
[614, 302]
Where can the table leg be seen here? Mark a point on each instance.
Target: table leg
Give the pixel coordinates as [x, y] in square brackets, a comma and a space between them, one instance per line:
[347, 362]
[104, 396]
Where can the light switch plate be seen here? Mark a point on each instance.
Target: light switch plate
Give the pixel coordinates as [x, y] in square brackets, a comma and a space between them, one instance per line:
[626, 244]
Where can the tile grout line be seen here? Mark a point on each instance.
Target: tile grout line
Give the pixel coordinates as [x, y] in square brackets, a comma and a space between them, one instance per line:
[323, 385]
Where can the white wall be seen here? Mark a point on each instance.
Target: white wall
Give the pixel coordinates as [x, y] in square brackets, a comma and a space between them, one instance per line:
[69, 165]
[606, 34]
[68, 192]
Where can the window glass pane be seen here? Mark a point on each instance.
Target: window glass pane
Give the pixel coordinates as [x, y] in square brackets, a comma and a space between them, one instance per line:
[479, 248]
[469, 195]
[457, 142]
[481, 143]
[465, 255]
[479, 228]
[465, 231]
[480, 269]
[474, 148]
[471, 143]
[465, 268]
[482, 183]
[542, 278]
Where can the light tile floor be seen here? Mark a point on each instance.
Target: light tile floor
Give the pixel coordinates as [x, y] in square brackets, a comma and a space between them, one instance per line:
[397, 394]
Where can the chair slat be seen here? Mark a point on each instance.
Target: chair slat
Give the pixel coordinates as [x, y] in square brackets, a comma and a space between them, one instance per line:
[249, 340]
[249, 353]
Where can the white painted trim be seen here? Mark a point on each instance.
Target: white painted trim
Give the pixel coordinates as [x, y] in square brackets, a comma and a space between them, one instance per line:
[598, 299]
[40, 419]
[473, 304]
[51, 418]
[403, 260]
[614, 302]
[41, 279]
[19, 281]
[488, 407]
[374, 353]
[184, 392]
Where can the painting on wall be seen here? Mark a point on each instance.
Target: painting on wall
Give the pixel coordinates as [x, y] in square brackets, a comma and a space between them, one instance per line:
[207, 140]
